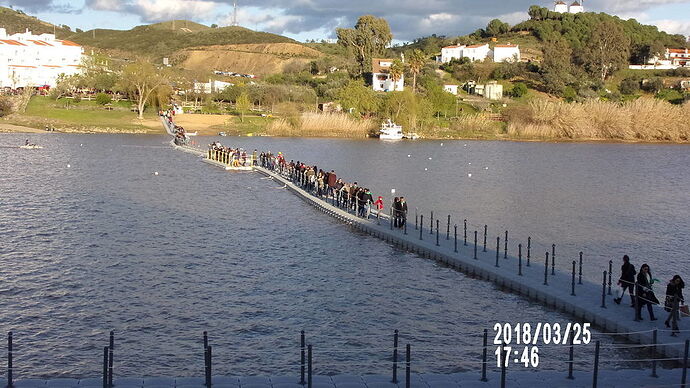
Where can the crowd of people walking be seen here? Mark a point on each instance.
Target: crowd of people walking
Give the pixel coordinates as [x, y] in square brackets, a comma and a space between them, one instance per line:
[326, 184]
[641, 291]
[181, 137]
[235, 157]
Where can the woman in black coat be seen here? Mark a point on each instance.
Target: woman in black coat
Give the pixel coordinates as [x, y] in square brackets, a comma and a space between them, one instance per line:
[674, 298]
[645, 295]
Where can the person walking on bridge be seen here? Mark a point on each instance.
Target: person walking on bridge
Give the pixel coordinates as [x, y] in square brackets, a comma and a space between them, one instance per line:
[645, 294]
[674, 298]
[627, 281]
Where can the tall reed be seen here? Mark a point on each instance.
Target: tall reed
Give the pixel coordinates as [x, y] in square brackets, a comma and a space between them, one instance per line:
[322, 125]
[645, 119]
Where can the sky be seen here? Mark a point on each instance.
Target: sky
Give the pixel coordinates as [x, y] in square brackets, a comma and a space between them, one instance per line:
[317, 19]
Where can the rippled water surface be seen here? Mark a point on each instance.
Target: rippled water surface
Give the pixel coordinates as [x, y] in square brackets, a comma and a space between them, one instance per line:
[94, 241]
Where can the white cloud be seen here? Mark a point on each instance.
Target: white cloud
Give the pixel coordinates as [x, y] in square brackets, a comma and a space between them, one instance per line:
[673, 26]
[106, 5]
[158, 10]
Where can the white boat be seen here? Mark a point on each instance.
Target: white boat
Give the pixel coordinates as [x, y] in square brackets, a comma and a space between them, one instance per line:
[411, 136]
[390, 131]
[191, 133]
[31, 147]
[222, 134]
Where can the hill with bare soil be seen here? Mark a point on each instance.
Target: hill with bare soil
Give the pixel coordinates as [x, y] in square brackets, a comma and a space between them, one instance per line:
[258, 59]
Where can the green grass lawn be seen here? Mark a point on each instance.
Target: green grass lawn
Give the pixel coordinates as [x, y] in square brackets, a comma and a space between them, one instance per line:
[65, 112]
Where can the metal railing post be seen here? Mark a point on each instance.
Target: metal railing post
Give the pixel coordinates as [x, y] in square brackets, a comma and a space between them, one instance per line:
[407, 366]
[475, 245]
[505, 249]
[105, 367]
[553, 259]
[595, 378]
[519, 259]
[486, 335]
[309, 367]
[431, 224]
[455, 246]
[465, 221]
[421, 226]
[572, 285]
[546, 270]
[395, 357]
[610, 270]
[437, 222]
[110, 358]
[529, 249]
[485, 231]
[10, 367]
[302, 359]
[498, 249]
[579, 280]
[448, 228]
[603, 292]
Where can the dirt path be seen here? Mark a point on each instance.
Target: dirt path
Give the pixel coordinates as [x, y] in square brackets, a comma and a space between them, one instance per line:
[18, 129]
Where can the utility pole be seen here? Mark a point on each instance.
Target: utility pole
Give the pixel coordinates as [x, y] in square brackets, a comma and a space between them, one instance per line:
[234, 14]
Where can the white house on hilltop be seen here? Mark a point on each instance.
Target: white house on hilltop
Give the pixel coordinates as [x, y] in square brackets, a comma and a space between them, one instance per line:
[449, 53]
[480, 52]
[561, 7]
[476, 52]
[28, 60]
[506, 53]
[381, 77]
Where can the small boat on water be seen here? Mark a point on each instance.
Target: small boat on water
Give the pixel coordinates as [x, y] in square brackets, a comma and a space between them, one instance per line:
[411, 136]
[390, 131]
[191, 133]
[222, 134]
[31, 147]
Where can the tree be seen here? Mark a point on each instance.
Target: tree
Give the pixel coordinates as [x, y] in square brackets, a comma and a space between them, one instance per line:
[607, 51]
[64, 85]
[416, 62]
[369, 38]
[519, 90]
[359, 98]
[214, 25]
[496, 28]
[556, 69]
[142, 79]
[243, 104]
[630, 86]
[103, 99]
[397, 70]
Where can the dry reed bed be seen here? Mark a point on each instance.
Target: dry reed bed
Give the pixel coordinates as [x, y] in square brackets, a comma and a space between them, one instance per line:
[322, 125]
[644, 119]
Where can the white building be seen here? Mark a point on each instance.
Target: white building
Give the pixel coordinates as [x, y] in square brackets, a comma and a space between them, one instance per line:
[449, 53]
[476, 52]
[381, 77]
[506, 53]
[28, 60]
[672, 59]
[561, 7]
[576, 7]
[452, 89]
[212, 86]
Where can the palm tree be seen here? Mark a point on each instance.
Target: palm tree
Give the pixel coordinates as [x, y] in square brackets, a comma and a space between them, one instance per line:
[396, 71]
[416, 61]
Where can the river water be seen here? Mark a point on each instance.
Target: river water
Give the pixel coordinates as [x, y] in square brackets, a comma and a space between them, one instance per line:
[93, 240]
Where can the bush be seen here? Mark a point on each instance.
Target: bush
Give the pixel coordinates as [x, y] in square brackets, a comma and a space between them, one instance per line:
[76, 99]
[653, 85]
[5, 106]
[630, 86]
[103, 99]
[519, 90]
[671, 95]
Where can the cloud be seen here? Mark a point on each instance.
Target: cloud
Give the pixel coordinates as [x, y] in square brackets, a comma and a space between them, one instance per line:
[673, 26]
[158, 10]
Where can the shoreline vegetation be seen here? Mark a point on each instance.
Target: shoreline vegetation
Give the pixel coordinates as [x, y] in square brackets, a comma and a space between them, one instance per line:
[644, 120]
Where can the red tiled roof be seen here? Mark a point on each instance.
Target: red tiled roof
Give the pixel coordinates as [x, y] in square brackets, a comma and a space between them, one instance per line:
[506, 45]
[678, 51]
[476, 45]
[12, 42]
[41, 43]
[51, 66]
[454, 46]
[33, 67]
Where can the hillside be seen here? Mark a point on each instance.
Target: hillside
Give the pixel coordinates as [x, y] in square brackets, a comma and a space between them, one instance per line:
[160, 40]
[15, 21]
[258, 59]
